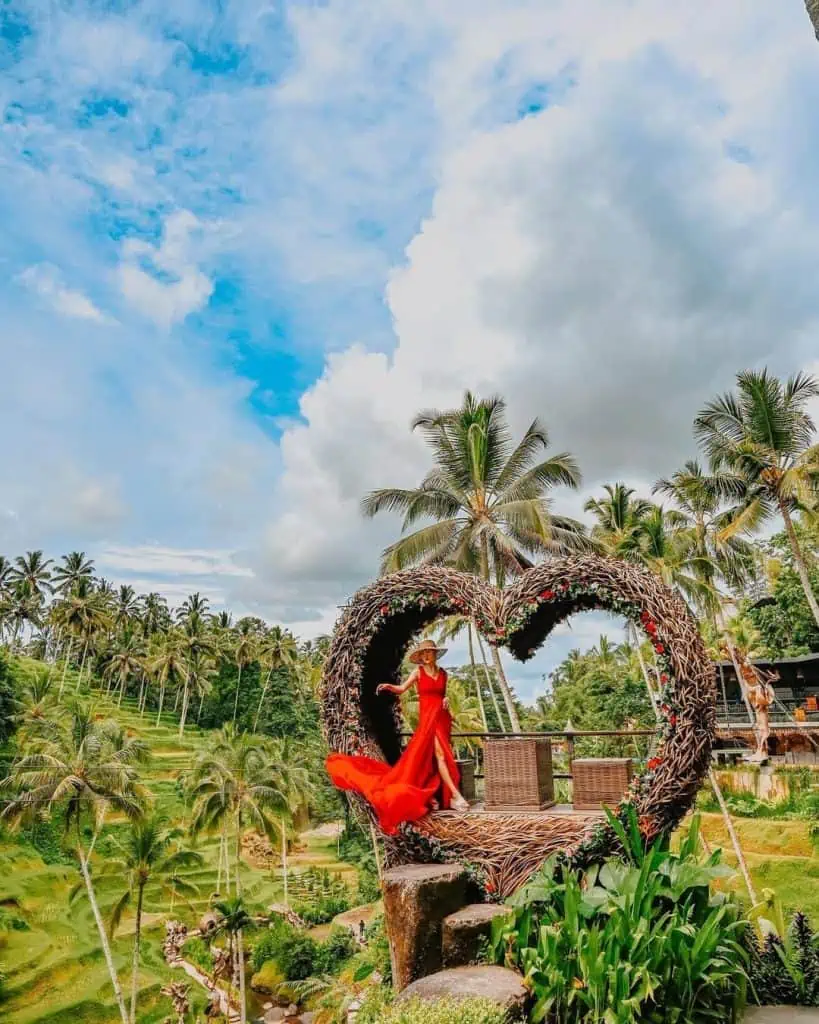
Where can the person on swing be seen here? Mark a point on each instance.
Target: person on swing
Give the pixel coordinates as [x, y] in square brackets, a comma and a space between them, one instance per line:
[426, 775]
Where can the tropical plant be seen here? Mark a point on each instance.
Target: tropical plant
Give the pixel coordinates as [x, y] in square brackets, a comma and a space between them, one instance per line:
[75, 567]
[78, 772]
[784, 964]
[636, 939]
[150, 853]
[763, 436]
[244, 650]
[233, 920]
[487, 499]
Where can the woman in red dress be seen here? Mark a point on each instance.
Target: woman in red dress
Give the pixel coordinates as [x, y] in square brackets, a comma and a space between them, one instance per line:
[426, 776]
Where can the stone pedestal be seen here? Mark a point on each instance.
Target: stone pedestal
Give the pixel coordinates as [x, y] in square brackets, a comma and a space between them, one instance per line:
[502, 986]
[417, 898]
[463, 931]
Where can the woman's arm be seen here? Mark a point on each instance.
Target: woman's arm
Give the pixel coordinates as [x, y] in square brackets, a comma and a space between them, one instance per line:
[398, 690]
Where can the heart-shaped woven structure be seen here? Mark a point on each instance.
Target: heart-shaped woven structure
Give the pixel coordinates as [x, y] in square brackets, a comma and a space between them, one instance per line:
[383, 618]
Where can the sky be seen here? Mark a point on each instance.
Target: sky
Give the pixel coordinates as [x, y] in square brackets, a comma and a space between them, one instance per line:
[244, 241]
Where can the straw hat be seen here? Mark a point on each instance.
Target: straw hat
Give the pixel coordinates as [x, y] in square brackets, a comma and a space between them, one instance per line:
[425, 645]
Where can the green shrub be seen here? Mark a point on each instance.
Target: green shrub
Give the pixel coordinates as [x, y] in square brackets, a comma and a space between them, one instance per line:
[639, 939]
[444, 1011]
[336, 950]
[198, 952]
[785, 970]
[268, 979]
[298, 957]
[324, 910]
[271, 941]
[378, 948]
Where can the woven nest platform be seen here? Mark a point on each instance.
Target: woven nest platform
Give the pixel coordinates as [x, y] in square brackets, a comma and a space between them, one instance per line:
[384, 618]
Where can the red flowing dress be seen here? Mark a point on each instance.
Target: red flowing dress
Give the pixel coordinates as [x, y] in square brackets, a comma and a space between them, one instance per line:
[405, 791]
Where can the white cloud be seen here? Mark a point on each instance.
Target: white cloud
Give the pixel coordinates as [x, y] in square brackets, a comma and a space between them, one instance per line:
[606, 264]
[164, 282]
[47, 281]
[156, 559]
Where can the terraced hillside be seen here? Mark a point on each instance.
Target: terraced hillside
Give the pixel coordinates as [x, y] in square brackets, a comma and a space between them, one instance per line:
[54, 966]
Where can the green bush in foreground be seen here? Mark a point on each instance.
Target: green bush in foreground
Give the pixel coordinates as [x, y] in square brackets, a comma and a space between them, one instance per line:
[638, 940]
[445, 1011]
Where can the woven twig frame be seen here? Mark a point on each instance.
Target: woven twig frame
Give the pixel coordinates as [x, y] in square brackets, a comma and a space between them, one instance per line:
[383, 618]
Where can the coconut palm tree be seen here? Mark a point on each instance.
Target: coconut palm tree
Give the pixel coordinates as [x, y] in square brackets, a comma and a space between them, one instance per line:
[195, 604]
[126, 662]
[5, 574]
[148, 854]
[763, 435]
[78, 773]
[237, 784]
[167, 665]
[487, 499]
[81, 614]
[293, 781]
[278, 650]
[22, 604]
[33, 568]
[233, 919]
[153, 614]
[619, 518]
[200, 650]
[245, 652]
[699, 499]
[75, 567]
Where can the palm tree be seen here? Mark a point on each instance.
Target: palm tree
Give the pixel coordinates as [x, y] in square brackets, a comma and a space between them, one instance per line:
[619, 519]
[195, 604]
[167, 664]
[278, 650]
[75, 567]
[293, 781]
[244, 653]
[236, 784]
[763, 435]
[5, 574]
[233, 919]
[78, 771]
[82, 613]
[126, 662]
[154, 614]
[699, 498]
[21, 604]
[127, 607]
[487, 499]
[148, 854]
[199, 649]
[34, 569]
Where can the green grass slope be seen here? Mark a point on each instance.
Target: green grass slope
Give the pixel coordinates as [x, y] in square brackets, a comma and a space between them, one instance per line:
[55, 971]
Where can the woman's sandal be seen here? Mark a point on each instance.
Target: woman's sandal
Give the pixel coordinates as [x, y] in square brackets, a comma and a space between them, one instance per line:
[459, 804]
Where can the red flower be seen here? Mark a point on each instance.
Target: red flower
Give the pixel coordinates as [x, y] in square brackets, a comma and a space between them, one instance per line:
[384, 609]
[654, 763]
[672, 719]
[651, 628]
[659, 648]
[663, 678]
[564, 586]
[490, 886]
[547, 595]
[644, 616]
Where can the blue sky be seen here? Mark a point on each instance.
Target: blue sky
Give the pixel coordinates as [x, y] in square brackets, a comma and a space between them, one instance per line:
[244, 241]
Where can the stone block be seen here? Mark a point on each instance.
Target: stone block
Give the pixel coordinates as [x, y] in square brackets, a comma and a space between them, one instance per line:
[463, 931]
[417, 898]
[502, 986]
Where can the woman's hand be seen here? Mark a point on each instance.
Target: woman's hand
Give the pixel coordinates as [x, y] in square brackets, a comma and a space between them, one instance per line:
[446, 703]
[386, 688]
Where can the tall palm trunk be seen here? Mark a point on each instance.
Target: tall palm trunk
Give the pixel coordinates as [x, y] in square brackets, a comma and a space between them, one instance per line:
[475, 676]
[634, 636]
[284, 864]
[489, 683]
[238, 687]
[239, 942]
[161, 702]
[261, 699]
[799, 558]
[185, 698]
[137, 938]
[729, 824]
[106, 948]
[65, 668]
[508, 699]
[82, 666]
[503, 683]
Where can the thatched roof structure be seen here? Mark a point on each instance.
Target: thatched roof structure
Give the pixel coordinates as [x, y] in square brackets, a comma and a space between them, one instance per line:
[382, 619]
